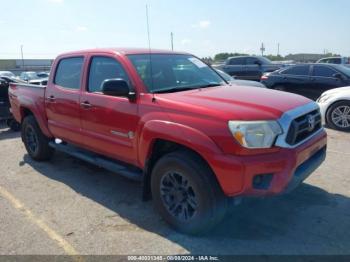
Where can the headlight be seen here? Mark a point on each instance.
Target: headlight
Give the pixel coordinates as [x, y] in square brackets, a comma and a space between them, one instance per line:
[324, 98]
[255, 134]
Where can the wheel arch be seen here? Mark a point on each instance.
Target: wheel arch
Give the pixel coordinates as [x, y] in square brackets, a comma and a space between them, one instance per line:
[156, 142]
[42, 122]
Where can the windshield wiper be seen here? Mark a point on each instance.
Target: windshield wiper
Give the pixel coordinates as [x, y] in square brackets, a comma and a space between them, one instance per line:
[209, 85]
[173, 89]
[184, 88]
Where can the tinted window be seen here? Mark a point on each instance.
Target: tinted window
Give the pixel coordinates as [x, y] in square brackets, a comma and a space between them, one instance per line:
[297, 70]
[237, 61]
[335, 61]
[323, 71]
[103, 68]
[252, 61]
[68, 72]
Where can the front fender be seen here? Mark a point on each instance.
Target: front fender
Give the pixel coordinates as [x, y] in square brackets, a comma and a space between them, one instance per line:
[177, 133]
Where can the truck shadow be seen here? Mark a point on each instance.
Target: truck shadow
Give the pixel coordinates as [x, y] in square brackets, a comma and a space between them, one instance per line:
[308, 220]
[7, 133]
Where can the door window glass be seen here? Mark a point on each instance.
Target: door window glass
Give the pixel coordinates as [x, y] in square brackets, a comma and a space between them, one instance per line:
[103, 68]
[68, 73]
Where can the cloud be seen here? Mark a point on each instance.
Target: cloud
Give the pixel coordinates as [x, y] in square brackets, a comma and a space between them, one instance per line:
[81, 28]
[202, 24]
[186, 41]
[56, 1]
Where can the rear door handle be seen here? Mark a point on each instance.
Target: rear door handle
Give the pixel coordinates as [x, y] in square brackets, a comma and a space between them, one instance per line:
[86, 105]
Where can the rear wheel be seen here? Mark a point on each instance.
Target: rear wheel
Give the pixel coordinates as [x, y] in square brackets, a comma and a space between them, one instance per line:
[36, 143]
[186, 193]
[338, 116]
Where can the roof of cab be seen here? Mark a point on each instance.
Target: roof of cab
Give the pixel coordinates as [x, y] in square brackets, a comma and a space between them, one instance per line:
[123, 51]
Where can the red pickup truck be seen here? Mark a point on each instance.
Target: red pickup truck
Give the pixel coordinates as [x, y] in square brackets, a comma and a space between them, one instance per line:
[170, 121]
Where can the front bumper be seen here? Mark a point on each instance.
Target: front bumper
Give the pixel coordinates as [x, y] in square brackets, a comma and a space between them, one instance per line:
[279, 172]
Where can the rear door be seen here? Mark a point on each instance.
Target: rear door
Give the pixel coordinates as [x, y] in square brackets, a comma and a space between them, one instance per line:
[253, 68]
[62, 99]
[236, 67]
[323, 79]
[108, 123]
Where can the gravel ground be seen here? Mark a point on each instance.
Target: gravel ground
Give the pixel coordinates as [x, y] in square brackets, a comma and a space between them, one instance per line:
[66, 206]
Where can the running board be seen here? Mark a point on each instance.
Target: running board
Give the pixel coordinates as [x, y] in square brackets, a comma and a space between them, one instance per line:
[98, 160]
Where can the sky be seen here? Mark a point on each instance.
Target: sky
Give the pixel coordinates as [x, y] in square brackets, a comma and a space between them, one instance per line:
[46, 28]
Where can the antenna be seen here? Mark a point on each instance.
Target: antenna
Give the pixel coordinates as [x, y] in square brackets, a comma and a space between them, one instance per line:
[149, 51]
[148, 33]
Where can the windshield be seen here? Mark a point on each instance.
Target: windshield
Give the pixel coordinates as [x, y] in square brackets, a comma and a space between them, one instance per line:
[8, 74]
[266, 60]
[174, 72]
[225, 76]
[344, 69]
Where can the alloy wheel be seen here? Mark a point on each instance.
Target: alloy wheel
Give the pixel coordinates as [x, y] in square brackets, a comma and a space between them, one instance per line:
[178, 196]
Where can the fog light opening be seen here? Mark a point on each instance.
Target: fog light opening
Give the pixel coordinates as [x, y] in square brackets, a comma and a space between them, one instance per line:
[262, 181]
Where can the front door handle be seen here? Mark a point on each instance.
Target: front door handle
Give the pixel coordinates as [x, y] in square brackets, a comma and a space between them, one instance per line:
[51, 99]
[86, 105]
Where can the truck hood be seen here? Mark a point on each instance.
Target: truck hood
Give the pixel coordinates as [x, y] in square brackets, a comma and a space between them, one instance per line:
[231, 102]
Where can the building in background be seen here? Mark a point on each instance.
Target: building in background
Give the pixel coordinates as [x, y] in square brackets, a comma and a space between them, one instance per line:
[18, 66]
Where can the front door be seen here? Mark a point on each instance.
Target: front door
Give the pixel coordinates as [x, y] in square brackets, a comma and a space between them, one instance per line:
[108, 123]
[323, 79]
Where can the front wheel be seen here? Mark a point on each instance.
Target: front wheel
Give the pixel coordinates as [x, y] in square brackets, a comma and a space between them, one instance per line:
[186, 193]
[36, 143]
[338, 116]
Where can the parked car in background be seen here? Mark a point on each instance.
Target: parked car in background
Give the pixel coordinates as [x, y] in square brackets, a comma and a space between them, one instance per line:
[7, 74]
[335, 108]
[41, 82]
[233, 81]
[169, 120]
[309, 80]
[335, 60]
[43, 74]
[29, 75]
[5, 113]
[248, 67]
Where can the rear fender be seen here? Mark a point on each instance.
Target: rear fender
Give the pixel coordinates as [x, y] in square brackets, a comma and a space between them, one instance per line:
[37, 108]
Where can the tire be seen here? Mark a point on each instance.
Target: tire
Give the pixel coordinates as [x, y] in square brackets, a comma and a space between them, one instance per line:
[13, 125]
[196, 191]
[36, 143]
[339, 110]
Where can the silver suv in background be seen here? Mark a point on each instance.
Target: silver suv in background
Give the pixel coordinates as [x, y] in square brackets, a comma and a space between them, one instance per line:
[335, 60]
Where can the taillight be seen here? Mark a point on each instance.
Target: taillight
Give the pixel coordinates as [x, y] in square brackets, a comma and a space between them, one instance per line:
[264, 77]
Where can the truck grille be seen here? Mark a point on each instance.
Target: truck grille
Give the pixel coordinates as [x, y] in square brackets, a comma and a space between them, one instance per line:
[303, 127]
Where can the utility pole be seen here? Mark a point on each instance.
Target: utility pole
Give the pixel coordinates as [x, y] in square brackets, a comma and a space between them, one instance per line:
[22, 56]
[278, 49]
[172, 41]
[262, 49]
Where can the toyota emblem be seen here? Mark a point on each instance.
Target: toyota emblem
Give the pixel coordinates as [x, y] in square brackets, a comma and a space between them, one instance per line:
[311, 122]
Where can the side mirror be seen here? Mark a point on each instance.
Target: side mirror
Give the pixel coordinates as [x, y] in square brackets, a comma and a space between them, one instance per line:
[338, 76]
[257, 63]
[117, 87]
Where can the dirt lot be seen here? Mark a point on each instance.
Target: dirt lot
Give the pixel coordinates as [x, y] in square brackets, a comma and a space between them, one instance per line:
[66, 206]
